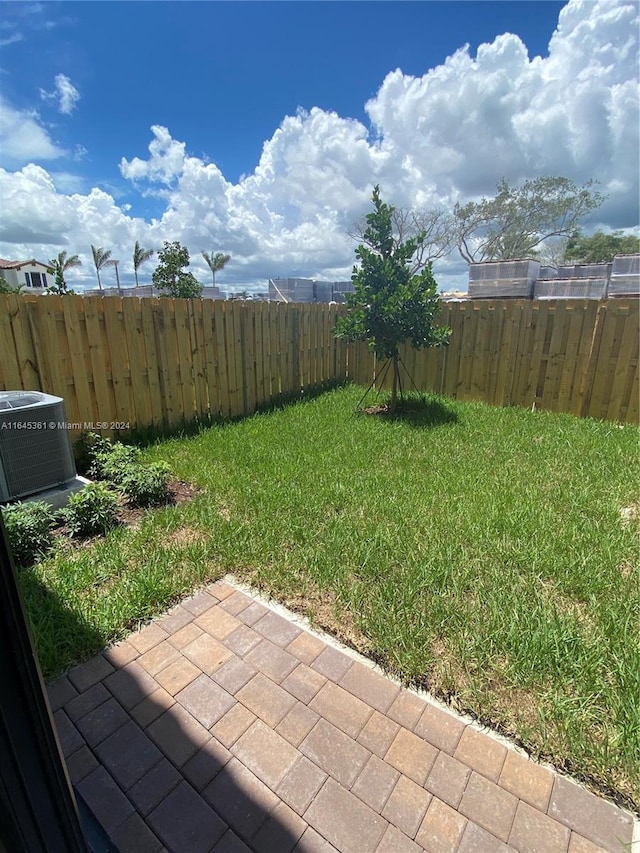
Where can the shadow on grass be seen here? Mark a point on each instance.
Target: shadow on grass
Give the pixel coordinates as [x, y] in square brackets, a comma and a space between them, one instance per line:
[145, 436]
[60, 635]
[417, 412]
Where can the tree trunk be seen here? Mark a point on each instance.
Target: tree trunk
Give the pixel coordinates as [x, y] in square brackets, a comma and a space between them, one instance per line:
[394, 385]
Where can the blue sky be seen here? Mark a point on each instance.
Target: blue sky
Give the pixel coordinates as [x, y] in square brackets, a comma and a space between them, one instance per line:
[269, 122]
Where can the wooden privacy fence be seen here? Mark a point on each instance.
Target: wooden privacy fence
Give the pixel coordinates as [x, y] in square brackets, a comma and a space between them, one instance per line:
[162, 362]
[122, 362]
[564, 355]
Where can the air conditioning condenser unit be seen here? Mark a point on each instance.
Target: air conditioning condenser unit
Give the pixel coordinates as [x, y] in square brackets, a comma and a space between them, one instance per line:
[35, 447]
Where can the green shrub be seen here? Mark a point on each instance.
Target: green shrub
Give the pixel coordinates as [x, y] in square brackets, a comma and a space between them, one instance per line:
[29, 530]
[91, 511]
[87, 448]
[115, 463]
[147, 485]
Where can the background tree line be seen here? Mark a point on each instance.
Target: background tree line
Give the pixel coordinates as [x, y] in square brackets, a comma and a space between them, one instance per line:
[170, 276]
[539, 218]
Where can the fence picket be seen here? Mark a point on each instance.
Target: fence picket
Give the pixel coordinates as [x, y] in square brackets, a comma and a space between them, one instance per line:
[25, 352]
[118, 359]
[76, 333]
[198, 354]
[167, 347]
[148, 312]
[222, 359]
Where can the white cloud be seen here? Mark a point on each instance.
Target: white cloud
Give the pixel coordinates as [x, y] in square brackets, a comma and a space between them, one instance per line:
[14, 38]
[449, 135]
[23, 138]
[68, 94]
[65, 93]
[166, 161]
[43, 219]
[67, 182]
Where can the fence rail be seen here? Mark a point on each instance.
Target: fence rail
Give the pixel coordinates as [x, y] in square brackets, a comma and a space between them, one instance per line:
[161, 362]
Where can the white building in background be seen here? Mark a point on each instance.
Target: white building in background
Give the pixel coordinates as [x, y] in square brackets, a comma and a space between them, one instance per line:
[32, 275]
[35, 277]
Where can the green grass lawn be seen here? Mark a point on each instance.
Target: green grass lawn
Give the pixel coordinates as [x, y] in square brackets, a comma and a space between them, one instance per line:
[478, 552]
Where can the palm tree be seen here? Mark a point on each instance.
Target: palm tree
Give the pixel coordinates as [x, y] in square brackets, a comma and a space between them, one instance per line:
[140, 255]
[216, 262]
[60, 265]
[101, 259]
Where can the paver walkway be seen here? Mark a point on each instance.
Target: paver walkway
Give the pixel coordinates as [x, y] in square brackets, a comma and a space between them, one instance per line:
[226, 727]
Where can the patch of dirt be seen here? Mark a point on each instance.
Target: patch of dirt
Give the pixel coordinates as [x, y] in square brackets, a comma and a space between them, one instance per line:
[564, 605]
[376, 410]
[630, 514]
[326, 614]
[186, 536]
[626, 569]
[179, 493]
[320, 606]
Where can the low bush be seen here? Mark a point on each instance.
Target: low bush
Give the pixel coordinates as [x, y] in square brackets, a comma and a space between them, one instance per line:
[87, 448]
[29, 530]
[147, 485]
[115, 463]
[91, 511]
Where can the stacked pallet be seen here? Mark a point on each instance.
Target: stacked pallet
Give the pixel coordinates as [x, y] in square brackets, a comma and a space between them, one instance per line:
[548, 272]
[573, 271]
[340, 288]
[625, 276]
[291, 289]
[503, 279]
[322, 291]
[570, 288]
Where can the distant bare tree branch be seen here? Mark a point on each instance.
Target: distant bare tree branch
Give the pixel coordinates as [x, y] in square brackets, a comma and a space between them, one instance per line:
[433, 228]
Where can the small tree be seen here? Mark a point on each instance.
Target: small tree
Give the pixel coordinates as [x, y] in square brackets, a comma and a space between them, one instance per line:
[170, 276]
[600, 248]
[392, 304]
[216, 262]
[140, 255]
[101, 259]
[5, 287]
[59, 266]
[519, 219]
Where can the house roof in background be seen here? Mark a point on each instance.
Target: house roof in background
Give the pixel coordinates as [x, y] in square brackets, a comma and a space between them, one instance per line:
[16, 265]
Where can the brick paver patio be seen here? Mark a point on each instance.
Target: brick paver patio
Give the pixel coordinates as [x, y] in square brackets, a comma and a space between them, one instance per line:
[226, 726]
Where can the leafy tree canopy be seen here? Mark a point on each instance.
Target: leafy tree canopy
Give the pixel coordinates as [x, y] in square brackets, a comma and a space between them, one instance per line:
[5, 287]
[170, 276]
[519, 219]
[392, 304]
[600, 247]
